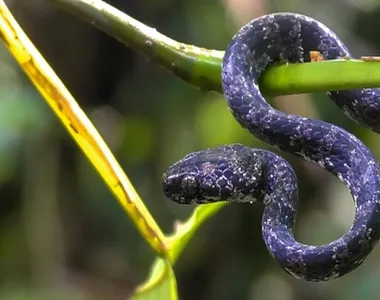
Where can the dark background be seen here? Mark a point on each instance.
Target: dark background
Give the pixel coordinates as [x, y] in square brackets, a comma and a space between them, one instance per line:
[63, 235]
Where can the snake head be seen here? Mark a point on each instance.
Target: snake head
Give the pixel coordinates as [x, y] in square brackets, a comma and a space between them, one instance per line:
[226, 173]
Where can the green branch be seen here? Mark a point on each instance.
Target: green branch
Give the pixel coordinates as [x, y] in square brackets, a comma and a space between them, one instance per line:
[196, 66]
[202, 67]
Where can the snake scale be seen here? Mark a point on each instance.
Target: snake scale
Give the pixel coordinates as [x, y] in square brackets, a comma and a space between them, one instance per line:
[237, 173]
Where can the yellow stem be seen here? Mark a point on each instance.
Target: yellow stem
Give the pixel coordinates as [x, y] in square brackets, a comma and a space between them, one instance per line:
[80, 127]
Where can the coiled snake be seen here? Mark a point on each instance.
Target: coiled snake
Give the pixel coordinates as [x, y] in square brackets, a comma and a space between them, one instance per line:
[240, 174]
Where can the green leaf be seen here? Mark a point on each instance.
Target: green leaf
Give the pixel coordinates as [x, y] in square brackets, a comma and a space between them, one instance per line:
[161, 283]
[184, 231]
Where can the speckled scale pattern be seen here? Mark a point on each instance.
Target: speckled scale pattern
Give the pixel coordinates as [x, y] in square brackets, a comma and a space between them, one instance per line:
[240, 174]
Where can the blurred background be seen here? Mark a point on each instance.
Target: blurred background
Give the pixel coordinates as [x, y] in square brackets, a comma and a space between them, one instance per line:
[63, 235]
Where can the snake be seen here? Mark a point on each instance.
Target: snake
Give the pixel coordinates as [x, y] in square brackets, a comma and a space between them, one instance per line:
[236, 173]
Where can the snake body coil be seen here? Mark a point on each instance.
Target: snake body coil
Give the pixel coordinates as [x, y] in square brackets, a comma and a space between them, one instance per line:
[240, 174]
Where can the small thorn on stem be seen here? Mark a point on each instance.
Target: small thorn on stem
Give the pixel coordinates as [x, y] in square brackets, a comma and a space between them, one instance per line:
[370, 58]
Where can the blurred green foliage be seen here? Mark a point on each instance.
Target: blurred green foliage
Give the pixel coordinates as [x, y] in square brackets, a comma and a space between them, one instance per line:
[62, 235]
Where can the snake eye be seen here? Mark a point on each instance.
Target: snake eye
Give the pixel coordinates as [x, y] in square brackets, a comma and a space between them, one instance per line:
[190, 186]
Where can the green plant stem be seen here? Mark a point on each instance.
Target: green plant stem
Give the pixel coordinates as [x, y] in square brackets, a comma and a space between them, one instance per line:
[196, 66]
[202, 67]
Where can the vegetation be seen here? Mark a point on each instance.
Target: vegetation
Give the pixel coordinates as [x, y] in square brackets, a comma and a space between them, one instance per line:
[197, 67]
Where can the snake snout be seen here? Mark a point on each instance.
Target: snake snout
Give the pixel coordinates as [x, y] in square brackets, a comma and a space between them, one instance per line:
[182, 188]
